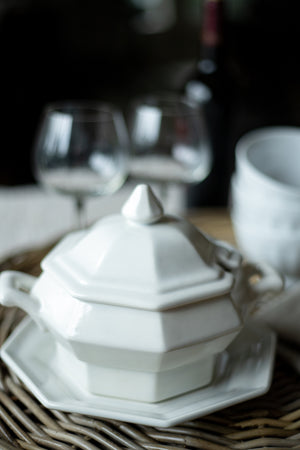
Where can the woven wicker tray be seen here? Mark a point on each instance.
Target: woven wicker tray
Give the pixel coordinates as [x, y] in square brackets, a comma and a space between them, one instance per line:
[268, 422]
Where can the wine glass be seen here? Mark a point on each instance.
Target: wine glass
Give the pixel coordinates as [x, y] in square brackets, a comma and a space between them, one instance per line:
[169, 142]
[81, 150]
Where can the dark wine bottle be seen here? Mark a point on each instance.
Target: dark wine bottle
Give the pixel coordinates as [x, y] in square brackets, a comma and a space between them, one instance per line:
[210, 74]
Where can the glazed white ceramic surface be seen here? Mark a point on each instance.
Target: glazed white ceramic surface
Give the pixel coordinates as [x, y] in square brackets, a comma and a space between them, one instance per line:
[263, 210]
[143, 293]
[279, 249]
[242, 372]
[265, 231]
[283, 316]
[142, 259]
[265, 196]
[138, 385]
[113, 326]
[268, 159]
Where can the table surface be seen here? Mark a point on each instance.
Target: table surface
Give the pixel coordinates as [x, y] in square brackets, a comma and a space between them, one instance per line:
[268, 422]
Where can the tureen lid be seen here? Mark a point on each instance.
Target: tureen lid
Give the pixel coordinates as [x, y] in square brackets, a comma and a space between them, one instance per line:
[140, 258]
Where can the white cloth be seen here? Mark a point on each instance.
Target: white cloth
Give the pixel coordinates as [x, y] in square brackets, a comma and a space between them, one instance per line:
[31, 217]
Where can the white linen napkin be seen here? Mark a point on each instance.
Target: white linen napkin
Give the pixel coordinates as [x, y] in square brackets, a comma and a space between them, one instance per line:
[31, 217]
[282, 314]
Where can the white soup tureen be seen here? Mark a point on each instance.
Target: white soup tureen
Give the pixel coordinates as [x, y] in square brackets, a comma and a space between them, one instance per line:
[140, 304]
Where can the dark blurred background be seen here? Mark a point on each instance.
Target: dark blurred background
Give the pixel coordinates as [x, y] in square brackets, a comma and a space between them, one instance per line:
[114, 50]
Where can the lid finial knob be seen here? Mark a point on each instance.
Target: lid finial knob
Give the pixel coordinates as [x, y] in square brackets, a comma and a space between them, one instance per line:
[143, 206]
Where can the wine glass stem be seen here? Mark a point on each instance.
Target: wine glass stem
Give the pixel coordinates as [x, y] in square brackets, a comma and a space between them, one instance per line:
[164, 191]
[79, 204]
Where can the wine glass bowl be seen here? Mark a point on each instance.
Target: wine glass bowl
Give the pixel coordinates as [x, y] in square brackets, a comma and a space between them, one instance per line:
[169, 141]
[81, 150]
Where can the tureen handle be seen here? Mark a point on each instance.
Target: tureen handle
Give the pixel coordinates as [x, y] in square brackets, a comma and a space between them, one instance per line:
[257, 284]
[15, 290]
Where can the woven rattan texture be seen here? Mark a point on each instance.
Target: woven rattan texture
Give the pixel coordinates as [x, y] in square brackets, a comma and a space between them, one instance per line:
[269, 422]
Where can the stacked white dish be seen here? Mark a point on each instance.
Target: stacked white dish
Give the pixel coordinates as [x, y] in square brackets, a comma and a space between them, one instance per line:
[265, 197]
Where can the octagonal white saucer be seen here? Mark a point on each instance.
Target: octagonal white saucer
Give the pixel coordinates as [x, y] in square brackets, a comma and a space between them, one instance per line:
[243, 372]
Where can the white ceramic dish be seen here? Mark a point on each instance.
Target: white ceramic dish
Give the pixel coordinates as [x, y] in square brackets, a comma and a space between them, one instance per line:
[128, 300]
[268, 160]
[257, 210]
[264, 198]
[281, 249]
[242, 372]
[266, 231]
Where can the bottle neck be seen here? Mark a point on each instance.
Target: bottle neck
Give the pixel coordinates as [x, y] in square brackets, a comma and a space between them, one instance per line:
[211, 36]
